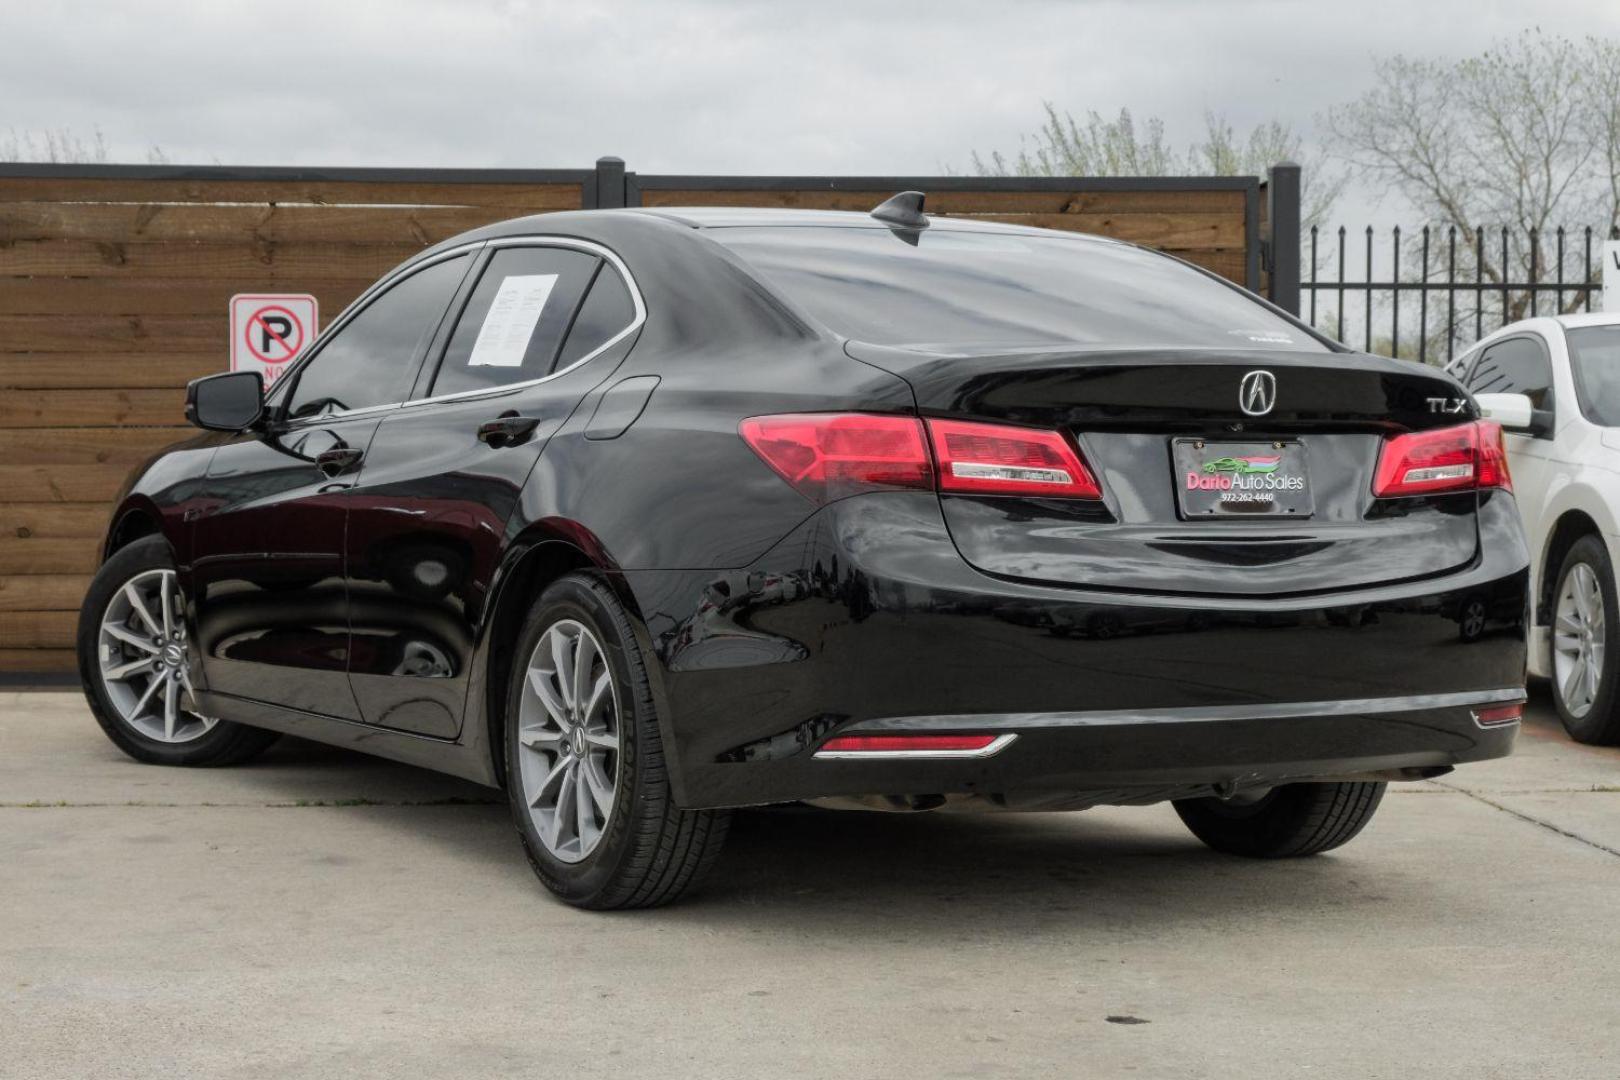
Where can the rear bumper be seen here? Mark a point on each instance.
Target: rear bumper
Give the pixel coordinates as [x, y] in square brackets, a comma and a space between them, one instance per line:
[866, 619]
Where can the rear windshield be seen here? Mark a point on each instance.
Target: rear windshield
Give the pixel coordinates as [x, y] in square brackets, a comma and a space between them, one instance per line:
[967, 288]
[1594, 353]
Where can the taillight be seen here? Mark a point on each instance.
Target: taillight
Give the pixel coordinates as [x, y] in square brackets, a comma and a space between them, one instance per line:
[1462, 458]
[827, 456]
[994, 459]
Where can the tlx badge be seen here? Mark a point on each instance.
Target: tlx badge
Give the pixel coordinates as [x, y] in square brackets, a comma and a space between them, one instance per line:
[1257, 393]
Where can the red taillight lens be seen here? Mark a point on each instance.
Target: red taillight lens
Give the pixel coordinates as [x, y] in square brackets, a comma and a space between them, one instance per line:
[906, 744]
[993, 459]
[827, 456]
[1460, 458]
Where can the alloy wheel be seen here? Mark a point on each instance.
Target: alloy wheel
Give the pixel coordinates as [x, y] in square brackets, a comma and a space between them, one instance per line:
[1578, 640]
[145, 659]
[569, 740]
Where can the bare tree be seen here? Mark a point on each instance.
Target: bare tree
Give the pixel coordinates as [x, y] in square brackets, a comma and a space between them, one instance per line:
[57, 146]
[1098, 146]
[1524, 137]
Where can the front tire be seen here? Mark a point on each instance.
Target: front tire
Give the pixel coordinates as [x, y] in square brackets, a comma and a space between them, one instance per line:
[136, 664]
[585, 769]
[1584, 650]
[1288, 821]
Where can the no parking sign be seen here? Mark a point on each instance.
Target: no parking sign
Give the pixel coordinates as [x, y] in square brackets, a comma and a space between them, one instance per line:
[270, 330]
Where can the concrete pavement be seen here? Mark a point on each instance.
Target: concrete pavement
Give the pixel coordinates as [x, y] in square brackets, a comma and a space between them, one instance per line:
[319, 913]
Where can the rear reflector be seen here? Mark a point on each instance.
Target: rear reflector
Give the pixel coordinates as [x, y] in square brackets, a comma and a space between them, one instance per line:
[995, 459]
[1467, 457]
[888, 746]
[827, 456]
[1498, 714]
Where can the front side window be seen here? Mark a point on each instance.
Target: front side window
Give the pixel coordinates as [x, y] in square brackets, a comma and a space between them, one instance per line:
[951, 289]
[516, 318]
[1594, 355]
[1516, 366]
[370, 360]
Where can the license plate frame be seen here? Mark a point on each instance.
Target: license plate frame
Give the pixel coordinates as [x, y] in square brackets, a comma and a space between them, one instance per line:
[1220, 478]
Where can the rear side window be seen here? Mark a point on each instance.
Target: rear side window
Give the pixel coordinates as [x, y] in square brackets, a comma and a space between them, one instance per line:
[1516, 366]
[515, 319]
[607, 310]
[370, 360]
[966, 288]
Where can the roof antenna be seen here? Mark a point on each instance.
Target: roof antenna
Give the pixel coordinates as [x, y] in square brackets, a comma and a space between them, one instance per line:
[903, 211]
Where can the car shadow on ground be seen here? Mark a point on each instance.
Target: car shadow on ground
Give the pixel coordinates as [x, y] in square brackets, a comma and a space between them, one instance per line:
[815, 870]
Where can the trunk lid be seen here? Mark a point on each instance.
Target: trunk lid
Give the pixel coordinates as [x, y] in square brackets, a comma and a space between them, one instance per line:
[1168, 437]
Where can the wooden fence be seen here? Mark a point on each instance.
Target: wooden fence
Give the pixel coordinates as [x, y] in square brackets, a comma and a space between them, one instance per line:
[114, 284]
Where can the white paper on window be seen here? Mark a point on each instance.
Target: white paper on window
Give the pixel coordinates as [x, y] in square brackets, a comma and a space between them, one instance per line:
[504, 337]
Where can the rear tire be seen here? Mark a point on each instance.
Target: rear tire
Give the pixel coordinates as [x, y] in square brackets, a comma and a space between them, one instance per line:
[585, 769]
[1586, 645]
[141, 699]
[1288, 821]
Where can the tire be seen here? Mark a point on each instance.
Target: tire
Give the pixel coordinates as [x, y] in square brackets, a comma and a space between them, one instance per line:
[1584, 644]
[147, 734]
[642, 851]
[1288, 821]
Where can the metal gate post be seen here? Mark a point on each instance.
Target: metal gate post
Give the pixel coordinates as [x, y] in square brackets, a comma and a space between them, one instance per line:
[1282, 206]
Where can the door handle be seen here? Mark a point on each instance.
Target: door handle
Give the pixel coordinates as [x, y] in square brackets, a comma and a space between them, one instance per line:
[338, 460]
[507, 429]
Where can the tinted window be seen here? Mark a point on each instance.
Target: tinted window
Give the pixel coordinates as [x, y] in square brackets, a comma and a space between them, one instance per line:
[368, 362]
[962, 288]
[1515, 366]
[607, 310]
[515, 319]
[1594, 353]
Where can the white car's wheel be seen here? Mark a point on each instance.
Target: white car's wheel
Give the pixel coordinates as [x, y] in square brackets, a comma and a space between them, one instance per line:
[1586, 619]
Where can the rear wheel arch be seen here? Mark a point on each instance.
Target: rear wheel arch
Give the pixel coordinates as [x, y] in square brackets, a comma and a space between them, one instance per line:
[547, 559]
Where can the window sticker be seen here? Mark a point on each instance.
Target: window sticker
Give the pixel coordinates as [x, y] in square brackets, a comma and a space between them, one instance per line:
[513, 315]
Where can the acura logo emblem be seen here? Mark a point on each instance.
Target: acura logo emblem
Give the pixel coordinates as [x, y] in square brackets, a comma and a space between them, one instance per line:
[1257, 393]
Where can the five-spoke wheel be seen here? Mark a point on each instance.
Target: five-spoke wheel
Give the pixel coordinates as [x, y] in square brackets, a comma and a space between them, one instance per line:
[144, 657]
[568, 727]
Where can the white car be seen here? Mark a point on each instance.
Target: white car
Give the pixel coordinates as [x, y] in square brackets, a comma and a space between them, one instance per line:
[1554, 385]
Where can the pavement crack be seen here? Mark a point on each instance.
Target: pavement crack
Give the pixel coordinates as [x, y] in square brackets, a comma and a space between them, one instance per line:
[1530, 818]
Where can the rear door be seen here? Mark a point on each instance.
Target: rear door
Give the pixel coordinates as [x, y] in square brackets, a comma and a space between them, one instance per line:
[443, 476]
[269, 538]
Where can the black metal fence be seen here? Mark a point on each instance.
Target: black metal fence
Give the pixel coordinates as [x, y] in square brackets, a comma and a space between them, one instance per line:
[1448, 288]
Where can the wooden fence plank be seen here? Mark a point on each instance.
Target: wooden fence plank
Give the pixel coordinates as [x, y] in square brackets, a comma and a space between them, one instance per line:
[279, 265]
[86, 446]
[43, 592]
[84, 371]
[1228, 264]
[961, 202]
[61, 483]
[166, 296]
[91, 408]
[38, 629]
[48, 521]
[71, 555]
[199, 222]
[1172, 232]
[114, 333]
[530, 198]
[38, 661]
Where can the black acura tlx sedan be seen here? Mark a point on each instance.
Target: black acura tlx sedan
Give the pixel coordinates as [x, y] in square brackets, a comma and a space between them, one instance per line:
[647, 514]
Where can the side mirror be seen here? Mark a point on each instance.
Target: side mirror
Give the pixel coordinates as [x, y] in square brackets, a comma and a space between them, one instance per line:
[1512, 411]
[232, 401]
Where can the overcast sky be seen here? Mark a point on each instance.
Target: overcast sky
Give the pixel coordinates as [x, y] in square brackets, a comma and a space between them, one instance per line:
[813, 86]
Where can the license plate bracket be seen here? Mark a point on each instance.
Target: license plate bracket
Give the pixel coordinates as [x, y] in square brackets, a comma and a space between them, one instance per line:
[1241, 479]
